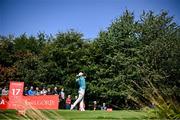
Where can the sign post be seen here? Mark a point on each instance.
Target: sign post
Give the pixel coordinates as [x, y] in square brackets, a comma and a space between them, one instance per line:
[16, 95]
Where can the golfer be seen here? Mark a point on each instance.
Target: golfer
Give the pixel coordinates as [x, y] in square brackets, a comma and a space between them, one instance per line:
[82, 86]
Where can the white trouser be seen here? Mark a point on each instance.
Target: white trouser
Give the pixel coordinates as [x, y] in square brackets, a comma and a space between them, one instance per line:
[80, 99]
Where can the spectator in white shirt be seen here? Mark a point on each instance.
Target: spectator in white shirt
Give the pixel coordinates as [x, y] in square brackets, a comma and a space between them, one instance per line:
[4, 91]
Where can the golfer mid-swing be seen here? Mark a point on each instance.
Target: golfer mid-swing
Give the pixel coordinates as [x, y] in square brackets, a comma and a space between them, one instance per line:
[82, 86]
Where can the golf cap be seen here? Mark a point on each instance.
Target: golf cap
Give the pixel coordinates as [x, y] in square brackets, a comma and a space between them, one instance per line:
[80, 74]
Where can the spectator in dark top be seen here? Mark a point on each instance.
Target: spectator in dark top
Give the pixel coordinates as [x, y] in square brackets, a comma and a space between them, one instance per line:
[25, 91]
[55, 91]
[37, 91]
[49, 91]
[62, 99]
[31, 91]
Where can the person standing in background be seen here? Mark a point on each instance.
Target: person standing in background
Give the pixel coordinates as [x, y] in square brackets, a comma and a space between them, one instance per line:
[95, 105]
[4, 91]
[68, 102]
[62, 99]
[43, 91]
[62, 94]
[31, 91]
[104, 106]
[25, 92]
[55, 91]
[37, 91]
[49, 91]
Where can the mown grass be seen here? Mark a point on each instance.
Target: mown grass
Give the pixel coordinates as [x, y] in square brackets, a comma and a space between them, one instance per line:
[77, 115]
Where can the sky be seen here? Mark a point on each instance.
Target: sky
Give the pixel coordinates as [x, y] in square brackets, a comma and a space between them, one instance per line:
[86, 16]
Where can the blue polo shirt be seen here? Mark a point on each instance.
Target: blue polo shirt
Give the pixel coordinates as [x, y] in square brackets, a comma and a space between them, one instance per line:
[82, 82]
[30, 92]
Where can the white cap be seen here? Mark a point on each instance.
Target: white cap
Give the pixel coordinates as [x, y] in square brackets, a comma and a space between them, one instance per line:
[80, 74]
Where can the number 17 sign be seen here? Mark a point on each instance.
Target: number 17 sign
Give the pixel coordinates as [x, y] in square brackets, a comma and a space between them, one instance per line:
[16, 95]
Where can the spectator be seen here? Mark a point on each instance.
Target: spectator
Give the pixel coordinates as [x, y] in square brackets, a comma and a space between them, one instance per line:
[25, 92]
[43, 91]
[62, 94]
[62, 99]
[95, 105]
[4, 91]
[49, 91]
[55, 91]
[37, 92]
[31, 91]
[104, 106]
[68, 102]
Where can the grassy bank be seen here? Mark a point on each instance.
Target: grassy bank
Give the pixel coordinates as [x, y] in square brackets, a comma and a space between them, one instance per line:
[77, 115]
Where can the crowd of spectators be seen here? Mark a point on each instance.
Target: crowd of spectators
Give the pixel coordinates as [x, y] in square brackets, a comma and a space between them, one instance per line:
[32, 92]
[64, 103]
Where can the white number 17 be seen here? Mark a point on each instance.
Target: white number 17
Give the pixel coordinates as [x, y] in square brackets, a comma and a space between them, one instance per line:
[16, 91]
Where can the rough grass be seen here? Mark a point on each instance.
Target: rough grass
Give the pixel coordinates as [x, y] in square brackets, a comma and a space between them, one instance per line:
[77, 115]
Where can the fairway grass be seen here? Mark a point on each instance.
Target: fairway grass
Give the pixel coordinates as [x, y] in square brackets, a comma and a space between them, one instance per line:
[77, 115]
[103, 115]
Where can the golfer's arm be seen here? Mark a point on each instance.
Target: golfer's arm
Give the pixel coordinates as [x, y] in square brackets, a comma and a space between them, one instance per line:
[77, 79]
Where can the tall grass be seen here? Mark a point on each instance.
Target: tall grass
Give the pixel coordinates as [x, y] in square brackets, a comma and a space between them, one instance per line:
[162, 106]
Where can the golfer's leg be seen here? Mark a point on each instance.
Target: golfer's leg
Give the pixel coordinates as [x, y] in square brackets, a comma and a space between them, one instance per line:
[77, 101]
[82, 104]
